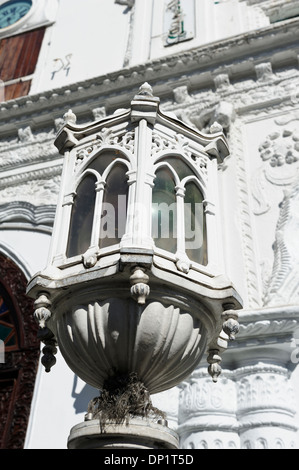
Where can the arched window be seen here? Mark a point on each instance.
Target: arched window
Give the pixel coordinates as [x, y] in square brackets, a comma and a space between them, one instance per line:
[103, 160]
[18, 367]
[103, 188]
[82, 217]
[177, 201]
[114, 207]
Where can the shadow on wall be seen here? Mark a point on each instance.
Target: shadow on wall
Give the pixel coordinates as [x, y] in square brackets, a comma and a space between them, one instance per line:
[82, 398]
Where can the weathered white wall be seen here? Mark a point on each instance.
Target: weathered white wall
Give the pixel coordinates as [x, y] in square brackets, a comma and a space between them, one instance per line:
[89, 39]
[209, 21]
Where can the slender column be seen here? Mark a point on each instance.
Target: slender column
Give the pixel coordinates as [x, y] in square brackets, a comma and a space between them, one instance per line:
[142, 217]
[59, 238]
[210, 204]
[127, 239]
[90, 256]
[183, 262]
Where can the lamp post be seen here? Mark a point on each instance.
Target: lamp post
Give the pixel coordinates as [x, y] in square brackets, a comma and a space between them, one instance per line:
[135, 292]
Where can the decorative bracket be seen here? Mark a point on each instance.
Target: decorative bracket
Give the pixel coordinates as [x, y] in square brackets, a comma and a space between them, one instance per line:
[230, 327]
[139, 281]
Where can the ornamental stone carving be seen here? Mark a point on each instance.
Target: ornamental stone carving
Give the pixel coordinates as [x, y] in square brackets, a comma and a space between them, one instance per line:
[282, 287]
[266, 408]
[280, 155]
[38, 185]
[207, 412]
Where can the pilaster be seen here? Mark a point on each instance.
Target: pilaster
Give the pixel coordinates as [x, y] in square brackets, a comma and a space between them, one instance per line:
[265, 407]
[207, 412]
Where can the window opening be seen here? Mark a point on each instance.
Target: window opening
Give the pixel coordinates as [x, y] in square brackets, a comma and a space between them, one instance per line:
[82, 217]
[114, 207]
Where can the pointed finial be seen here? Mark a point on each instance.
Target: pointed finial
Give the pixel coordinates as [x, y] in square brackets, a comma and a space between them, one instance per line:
[216, 127]
[146, 90]
[70, 117]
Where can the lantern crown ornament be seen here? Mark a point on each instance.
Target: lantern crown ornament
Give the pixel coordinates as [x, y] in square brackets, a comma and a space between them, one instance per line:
[135, 282]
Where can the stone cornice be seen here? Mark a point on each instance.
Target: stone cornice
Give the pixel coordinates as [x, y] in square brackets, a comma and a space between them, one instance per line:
[266, 322]
[269, 313]
[235, 56]
[23, 212]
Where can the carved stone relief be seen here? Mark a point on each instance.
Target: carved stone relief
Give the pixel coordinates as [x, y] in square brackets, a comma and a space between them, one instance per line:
[207, 412]
[252, 95]
[200, 394]
[240, 410]
[279, 153]
[283, 283]
[38, 183]
[266, 408]
[37, 188]
[276, 180]
[27, 148]
[264, 388]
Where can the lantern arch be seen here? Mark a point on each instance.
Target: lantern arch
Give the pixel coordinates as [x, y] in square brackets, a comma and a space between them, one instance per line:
[100, 196]
[178, 216]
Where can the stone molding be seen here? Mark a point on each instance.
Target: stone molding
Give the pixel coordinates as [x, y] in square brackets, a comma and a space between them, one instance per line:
[26, 213]
[26, 159]
[45, 107]
[239, 410]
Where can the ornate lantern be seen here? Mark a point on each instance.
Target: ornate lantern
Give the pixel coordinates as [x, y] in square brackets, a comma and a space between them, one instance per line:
[135, 284]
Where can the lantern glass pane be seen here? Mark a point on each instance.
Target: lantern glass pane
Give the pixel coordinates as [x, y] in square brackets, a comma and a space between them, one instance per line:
[195, 224]
[82, 217]
[164, 213]
[103, 160]
[114, 207]
[180, 167]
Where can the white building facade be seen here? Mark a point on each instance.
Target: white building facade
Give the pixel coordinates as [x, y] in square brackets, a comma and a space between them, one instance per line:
[234, 62]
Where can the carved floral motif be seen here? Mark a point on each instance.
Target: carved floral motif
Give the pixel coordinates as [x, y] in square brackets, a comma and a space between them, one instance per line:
[281, 148]
[41, 190]
[179, 144]
[106, 137]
